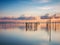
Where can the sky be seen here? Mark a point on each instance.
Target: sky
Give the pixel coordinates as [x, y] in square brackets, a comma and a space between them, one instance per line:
[18, 8]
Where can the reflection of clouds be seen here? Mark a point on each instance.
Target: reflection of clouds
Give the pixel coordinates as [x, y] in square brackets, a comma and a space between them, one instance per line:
[56, 36]
[30, 37]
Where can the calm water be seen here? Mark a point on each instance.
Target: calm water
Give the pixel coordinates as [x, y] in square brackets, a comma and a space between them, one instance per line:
[17, 36]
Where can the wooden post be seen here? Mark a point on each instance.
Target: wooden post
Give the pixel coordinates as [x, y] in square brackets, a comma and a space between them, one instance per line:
[55, 26]
[31, 26]
[47, 26]
[26, 26]
[35, 26]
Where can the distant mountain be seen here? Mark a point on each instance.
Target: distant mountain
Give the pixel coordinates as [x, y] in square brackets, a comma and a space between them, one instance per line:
[7, 18]
[56, 16]
[26, 18]
[46, 16]
[19, 18]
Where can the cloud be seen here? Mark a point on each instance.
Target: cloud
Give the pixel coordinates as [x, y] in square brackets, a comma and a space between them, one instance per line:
[49, 9]
[42, 1]
[44, 8]
[45, 1]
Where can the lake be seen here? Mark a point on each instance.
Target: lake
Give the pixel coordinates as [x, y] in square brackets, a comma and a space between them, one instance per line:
[19, 36]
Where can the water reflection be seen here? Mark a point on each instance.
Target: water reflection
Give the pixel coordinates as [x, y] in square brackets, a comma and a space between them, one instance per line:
[31, 26]
[16, 34]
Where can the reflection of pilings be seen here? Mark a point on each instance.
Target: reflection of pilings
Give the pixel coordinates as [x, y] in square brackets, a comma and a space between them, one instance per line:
[35, 26]
[48, 25]
[50, 30]
[31, 26]
[26, 26]
[55, 26]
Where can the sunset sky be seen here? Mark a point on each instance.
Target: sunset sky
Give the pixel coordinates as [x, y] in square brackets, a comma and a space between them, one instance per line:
[28, 7]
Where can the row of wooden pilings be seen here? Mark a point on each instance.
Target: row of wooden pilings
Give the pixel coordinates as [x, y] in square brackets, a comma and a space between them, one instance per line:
[29, 27]
[32, 25]
[48, 25]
